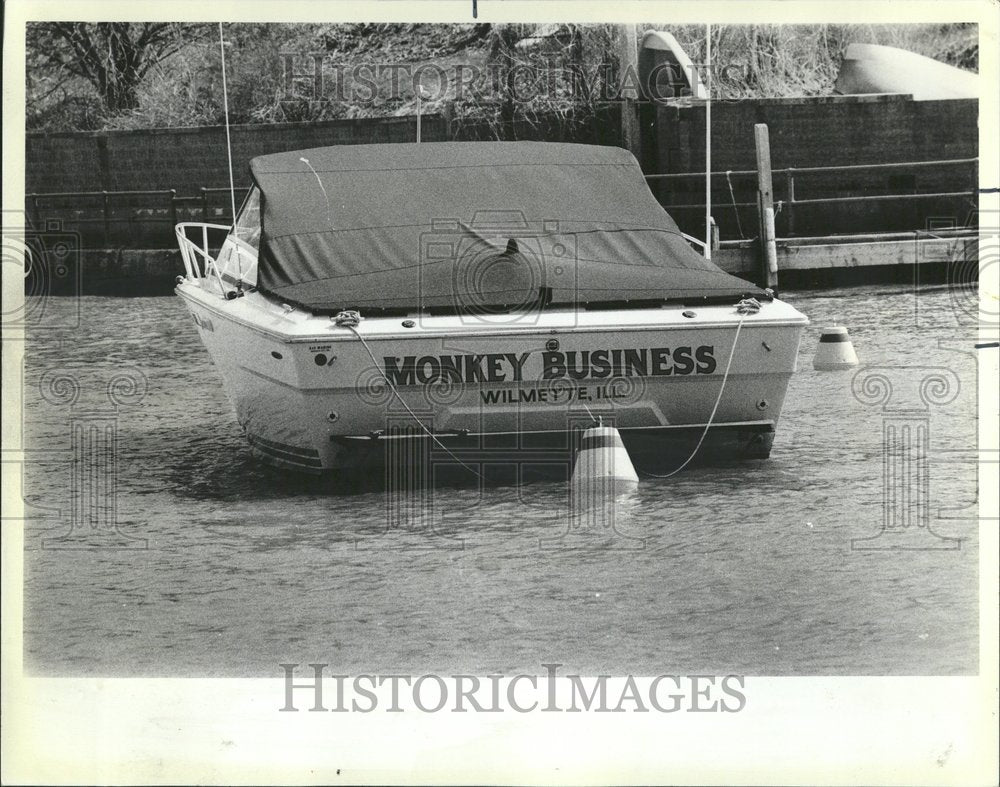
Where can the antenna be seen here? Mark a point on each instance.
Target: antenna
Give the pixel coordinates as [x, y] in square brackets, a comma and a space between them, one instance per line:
[229, 149]
[708, 141]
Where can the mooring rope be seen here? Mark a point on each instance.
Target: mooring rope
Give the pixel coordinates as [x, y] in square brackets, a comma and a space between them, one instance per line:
[732, 198]
[351, 319]
[746, 307]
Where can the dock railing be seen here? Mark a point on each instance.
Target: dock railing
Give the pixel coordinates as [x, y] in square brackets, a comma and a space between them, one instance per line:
[845, 211]
[143, 219]
[130, 218]
[101, 213]
[791, 179]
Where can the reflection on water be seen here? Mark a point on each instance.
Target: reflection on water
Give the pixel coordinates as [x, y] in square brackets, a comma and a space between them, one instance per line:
[744, 568]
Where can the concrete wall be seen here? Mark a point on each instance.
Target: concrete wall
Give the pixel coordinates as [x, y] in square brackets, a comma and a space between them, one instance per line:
[819, 131]
[823, 131]
[186, 159]
[804, 132]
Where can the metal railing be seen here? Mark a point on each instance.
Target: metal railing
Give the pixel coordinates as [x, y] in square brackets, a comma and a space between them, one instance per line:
[106, 207]
[105, 213]
[238, 266]
[203, 201]
[789, 175]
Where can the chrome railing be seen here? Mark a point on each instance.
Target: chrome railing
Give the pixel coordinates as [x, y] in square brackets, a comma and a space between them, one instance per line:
[234, 265]
[964, 173]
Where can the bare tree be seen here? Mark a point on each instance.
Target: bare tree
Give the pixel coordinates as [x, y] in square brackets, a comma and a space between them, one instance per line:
[501, 55]
[113, 56]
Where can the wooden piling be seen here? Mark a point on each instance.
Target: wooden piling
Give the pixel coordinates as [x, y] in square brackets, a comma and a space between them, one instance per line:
[628, 63]
[765, 209]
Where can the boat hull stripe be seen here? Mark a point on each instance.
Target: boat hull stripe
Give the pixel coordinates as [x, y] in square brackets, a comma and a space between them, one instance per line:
[301, 456]
[601, 441]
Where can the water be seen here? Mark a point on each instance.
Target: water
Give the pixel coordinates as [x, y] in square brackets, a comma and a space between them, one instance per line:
[739, 569]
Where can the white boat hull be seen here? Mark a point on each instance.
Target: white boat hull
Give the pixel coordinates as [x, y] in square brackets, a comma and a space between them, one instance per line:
[310, 397]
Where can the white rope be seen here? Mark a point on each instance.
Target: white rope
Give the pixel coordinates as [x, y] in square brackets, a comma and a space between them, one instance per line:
[746, 307]
[350, 320]
[732, 198]
[329, 213]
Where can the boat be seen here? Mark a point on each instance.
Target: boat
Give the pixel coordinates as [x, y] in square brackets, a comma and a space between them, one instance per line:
[474, 304]
[874, 68]
[676, 77]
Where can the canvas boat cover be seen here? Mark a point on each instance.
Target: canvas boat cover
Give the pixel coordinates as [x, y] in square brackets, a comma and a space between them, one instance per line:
[471, 226]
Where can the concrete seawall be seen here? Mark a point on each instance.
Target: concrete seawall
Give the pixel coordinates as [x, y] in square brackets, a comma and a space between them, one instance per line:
[816, 131]
[109, 272]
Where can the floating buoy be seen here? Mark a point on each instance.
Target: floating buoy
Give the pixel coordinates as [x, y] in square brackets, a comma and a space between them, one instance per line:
[602, 464]
[835, 350]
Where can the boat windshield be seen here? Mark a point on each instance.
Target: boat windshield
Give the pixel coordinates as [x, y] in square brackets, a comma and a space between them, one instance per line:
[237, 259]
[247, 227]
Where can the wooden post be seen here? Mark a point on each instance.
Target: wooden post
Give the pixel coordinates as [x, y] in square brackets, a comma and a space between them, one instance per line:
[708, 142]
[628, 66]
[765, 208]
[790, 203]
[448, 118]
[106, 210]
[37, 215]
[418, 114]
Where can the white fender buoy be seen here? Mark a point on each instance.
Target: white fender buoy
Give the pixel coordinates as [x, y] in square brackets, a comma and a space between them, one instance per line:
[835, 350]
[602, 463]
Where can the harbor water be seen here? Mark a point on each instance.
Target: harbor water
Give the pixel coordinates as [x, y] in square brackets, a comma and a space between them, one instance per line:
[207, 563]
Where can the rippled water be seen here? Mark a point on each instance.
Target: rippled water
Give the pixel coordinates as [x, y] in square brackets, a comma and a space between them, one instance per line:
[738, 569]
